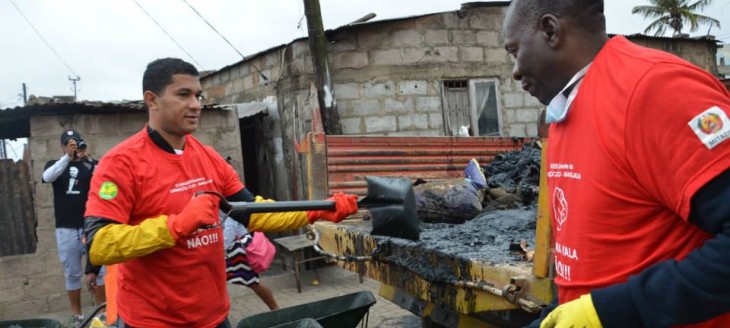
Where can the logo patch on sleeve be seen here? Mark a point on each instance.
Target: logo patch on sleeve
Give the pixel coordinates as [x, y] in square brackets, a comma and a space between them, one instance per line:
[108, 190]
[711, 126]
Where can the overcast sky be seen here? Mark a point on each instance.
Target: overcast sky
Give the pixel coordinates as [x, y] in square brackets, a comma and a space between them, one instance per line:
[108, 43]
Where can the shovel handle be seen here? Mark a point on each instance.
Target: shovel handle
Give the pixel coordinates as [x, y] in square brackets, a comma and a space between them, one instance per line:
[270, 207]
[283, 206]
[276, 207]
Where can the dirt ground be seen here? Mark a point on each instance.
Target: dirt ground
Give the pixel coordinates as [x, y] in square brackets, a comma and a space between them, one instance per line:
[333, 281]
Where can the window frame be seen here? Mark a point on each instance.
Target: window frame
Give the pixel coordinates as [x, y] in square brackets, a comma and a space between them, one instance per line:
[471, 102]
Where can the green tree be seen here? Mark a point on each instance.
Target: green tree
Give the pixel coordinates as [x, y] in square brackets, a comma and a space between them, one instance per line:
[674, 13]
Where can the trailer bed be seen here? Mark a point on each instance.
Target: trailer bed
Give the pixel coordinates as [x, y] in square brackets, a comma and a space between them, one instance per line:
[457, 268]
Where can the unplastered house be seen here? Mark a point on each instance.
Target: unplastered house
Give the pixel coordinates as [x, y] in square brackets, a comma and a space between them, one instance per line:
[426, 75]
[416, 76]
[429, 75]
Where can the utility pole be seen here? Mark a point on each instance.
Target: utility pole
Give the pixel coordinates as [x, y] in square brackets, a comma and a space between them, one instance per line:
[74, 80]
[25, 94]
[318, 48]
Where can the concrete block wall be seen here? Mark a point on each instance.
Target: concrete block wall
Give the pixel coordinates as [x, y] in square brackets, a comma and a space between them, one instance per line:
[395, 107]
[242, 82]
[33, 283]
[695, 52]
[387, 76]
[521, 110]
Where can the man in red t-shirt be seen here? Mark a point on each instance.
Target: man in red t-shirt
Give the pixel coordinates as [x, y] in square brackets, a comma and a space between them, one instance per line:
[142, 214]
[638, 169]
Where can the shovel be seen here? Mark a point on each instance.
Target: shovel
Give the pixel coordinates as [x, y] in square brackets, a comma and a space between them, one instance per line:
[390, 201]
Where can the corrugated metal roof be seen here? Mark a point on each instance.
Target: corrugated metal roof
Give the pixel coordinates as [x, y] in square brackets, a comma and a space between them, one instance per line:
[327, 34]
[358, 25]
[87, 107]
[15, 122]
[56, 108]
[703, 38]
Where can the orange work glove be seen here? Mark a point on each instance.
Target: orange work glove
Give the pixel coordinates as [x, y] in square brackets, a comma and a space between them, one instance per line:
[345, 205]
[200, 211]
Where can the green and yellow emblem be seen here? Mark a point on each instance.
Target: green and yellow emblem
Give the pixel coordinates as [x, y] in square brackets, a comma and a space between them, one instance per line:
[108, 190]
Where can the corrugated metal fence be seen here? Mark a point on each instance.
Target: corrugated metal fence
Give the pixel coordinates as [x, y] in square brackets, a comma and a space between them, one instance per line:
[17, 219]
[351, 158]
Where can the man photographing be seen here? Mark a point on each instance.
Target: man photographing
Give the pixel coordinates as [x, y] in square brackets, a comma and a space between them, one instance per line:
[71, 176]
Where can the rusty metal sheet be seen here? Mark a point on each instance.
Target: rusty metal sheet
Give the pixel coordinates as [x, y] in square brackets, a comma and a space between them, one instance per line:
[351, 158]
[17, 217]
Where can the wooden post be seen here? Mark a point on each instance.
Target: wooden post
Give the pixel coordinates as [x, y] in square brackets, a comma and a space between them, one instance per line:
[543, 238]
[318, 48]
[316, 166]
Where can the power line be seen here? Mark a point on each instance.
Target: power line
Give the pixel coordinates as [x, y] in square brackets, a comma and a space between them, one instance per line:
[43, 39]
[168, 34]
[224, 38]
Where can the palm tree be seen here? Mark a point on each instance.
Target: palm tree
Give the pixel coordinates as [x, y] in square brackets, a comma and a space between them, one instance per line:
[673, 13]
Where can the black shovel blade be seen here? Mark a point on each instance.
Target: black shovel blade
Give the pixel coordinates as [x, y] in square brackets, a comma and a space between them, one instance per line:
[393, 207]
[391, 203]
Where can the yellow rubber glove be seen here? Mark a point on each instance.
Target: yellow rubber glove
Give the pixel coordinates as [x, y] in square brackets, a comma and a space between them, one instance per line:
[578, 313]
[116, 243]
[276, 222]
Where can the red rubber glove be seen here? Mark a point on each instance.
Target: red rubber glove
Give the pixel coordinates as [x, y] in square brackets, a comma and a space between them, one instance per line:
[200, 211]
[345, 205]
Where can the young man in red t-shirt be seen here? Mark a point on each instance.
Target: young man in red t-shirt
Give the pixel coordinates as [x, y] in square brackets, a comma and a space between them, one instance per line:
[142, 214]
[638, 169]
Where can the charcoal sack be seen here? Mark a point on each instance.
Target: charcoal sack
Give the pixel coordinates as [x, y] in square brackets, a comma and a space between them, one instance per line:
[448, 201]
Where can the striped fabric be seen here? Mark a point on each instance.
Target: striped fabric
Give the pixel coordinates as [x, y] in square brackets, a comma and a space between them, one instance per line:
[238, 271]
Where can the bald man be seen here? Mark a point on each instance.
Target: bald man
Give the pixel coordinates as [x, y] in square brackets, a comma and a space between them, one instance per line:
[640, 210]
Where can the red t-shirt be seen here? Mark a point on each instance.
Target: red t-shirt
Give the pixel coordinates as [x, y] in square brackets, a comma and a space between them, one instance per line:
[622, 168]
[183, 286]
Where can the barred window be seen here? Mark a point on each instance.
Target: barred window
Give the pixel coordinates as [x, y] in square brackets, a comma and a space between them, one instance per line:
[471, 103]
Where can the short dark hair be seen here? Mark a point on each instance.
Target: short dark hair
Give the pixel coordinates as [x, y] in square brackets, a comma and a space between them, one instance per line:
[585, 13]
[158, 74]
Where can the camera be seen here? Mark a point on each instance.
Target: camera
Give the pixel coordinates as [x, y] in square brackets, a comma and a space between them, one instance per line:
[81, 145]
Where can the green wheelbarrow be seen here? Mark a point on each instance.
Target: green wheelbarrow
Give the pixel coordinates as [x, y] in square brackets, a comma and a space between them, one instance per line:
[49, 323]
[346, 311]
[31, 323]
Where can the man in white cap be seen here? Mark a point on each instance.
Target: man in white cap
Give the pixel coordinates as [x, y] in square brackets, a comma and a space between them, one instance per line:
[71, 176]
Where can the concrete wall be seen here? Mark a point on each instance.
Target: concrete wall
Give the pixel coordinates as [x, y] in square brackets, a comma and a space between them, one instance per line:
[387, 76]
[700, 53]
[33, 283]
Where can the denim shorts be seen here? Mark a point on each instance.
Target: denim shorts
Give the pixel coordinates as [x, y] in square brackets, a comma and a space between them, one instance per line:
[71, 251]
